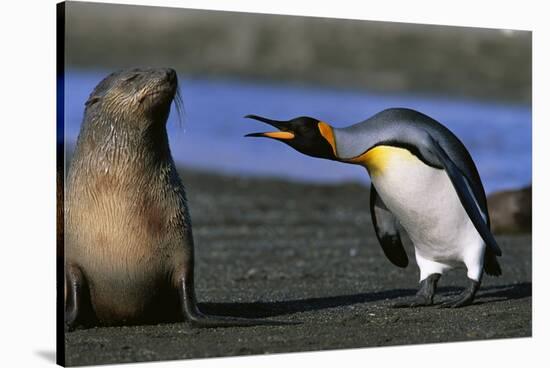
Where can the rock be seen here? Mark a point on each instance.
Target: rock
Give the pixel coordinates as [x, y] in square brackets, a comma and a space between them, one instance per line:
[511, 211]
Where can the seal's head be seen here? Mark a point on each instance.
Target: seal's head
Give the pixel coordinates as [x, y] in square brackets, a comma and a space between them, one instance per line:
[142, 96]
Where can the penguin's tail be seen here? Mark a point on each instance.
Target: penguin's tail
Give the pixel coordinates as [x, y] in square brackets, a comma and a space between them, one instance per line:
[491, 265]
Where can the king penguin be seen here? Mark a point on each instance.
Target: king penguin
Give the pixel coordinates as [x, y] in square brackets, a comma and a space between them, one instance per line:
[423, 178]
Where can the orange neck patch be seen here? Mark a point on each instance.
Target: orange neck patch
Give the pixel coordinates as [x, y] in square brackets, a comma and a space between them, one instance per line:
[326, 132]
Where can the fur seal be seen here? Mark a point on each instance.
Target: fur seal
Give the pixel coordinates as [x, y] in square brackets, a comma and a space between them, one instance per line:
[129, 253]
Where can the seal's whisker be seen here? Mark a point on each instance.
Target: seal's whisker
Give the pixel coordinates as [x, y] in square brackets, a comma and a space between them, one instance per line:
[180, 109]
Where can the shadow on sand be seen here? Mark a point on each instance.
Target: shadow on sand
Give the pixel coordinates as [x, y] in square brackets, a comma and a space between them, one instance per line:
[271, 309]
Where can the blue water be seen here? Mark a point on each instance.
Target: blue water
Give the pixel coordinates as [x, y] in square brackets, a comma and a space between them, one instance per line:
[211, 135]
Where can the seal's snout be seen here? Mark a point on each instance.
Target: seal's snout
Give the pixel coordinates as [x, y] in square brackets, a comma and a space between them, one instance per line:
[170, 75]
[166, 80]
[170, 78]
[166, 75]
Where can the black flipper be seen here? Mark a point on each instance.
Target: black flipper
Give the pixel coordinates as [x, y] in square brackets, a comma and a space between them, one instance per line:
[465, 195]
[193, 316]
[490, 264]
[385, 225]
[78, 306]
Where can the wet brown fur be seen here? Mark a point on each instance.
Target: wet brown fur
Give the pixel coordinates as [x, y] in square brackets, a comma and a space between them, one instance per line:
[127, 226]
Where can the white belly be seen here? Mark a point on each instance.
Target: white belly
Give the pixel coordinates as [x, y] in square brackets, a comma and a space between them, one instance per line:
[425, 202]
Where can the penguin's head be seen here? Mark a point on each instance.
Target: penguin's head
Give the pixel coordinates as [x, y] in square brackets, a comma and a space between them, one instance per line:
[306, 135]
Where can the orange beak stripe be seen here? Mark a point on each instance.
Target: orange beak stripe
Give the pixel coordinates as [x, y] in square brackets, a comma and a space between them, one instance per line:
[280, 135]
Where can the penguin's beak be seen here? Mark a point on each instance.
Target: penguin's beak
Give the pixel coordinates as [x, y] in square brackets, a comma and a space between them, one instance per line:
[284, 132]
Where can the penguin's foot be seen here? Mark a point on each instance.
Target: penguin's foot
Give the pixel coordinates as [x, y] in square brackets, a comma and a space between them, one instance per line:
[425, 295]
[465, 298]
[417, 301]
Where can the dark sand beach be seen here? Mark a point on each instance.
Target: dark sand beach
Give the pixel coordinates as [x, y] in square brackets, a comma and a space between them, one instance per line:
[302, 252]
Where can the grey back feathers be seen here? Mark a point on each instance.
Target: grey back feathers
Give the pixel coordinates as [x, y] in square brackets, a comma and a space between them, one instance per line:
[412, 130]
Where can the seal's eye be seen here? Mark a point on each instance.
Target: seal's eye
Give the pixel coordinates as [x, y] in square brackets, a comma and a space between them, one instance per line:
[92, 100]
[130, 78]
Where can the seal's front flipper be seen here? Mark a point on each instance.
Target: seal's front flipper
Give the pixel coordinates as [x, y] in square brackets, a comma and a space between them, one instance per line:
[465, 194]
[78, 308]
[196, 318]
[385, 225]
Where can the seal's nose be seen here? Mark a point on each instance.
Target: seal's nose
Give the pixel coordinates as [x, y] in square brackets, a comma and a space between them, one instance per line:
[170, 74]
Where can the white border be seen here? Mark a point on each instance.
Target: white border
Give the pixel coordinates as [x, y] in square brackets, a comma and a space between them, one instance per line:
[28, 177]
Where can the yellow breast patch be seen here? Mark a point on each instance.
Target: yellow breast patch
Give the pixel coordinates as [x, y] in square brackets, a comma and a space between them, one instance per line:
[379, 158]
